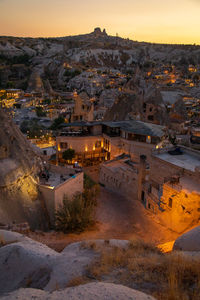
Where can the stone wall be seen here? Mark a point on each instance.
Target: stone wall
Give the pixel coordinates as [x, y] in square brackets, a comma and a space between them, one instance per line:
[115, 147]
[69, 188]
[79, 144]
[123, 181]
[62, 170]
[159, 170]
[173, 193]
[54, 196]
[48, 194]
[119, 145]
[181, 209]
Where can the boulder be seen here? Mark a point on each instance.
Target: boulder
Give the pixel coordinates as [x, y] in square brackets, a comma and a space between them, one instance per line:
[189, 241]
[27, 263]
[24, 263]
[70, 264]
[90, 291]
[8, 237]
[30, 269]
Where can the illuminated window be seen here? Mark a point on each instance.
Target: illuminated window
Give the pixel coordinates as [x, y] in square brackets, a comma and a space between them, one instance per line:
[63, 145]
[170, 202]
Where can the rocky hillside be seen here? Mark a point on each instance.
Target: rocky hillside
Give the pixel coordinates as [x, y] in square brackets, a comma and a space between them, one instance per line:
[23, 60]
[18, 176]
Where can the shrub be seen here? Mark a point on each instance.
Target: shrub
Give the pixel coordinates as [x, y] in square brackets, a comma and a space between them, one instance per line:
[88, 182]
[75, 215]
[32, 128]
[77, 281]
[72, 73]
[68, 154]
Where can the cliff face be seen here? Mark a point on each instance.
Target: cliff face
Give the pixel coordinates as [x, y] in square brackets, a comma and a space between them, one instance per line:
[19, 167]
[125, 106]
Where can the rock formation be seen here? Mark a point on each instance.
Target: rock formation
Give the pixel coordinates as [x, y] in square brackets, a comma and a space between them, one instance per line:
[97, 32]
[35, 83]
[19, 167]
[189, 241]
[90, 291]
[43, 271]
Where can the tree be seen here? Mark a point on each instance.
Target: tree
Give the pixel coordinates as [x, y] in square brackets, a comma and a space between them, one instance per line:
[68, 154]
[32, 128]
[10, 85]
[40, 112]
[57, 122]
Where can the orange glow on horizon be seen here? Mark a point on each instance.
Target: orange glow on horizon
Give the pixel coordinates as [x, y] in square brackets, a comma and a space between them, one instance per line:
[145, 20]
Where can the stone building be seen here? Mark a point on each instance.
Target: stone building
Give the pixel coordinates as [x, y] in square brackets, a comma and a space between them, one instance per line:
[99, 141]
[132, 137]
[87, 141]
[122, 175]
[83, 109]
[172, 189]
[14, 93]
[60, 182]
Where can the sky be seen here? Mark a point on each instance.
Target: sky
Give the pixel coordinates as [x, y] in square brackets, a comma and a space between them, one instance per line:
[159, 21]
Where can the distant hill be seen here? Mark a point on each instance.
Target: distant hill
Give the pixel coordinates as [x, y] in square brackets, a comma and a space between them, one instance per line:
[48, 58]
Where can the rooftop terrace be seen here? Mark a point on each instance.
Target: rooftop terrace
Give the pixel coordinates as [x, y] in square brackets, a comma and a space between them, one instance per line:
[55, 179]
[188, 160]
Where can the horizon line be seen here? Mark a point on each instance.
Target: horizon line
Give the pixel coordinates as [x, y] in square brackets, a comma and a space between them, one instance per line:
[125, 38]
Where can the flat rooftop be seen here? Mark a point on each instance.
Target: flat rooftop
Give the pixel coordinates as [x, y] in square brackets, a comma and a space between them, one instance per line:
[188, 160]
[190, 185]
[55, 179]
[123, 164]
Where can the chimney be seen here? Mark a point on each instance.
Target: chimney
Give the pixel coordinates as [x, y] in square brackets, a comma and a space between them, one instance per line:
[141, 176]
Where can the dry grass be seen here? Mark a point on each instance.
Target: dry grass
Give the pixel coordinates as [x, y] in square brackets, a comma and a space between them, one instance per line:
[78, 281]
[89, 245]
[144, 267]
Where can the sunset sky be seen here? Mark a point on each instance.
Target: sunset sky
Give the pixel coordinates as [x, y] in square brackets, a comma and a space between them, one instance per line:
[171, 21]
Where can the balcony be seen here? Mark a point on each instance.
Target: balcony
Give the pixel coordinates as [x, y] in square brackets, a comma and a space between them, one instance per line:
[76, 133]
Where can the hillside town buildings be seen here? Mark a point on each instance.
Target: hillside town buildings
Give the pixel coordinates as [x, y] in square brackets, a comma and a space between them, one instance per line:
[172, 186]
[121, 105]
[99, 141]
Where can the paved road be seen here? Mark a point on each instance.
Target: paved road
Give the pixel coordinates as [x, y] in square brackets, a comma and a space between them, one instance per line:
[117, 218]
[125, 219]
